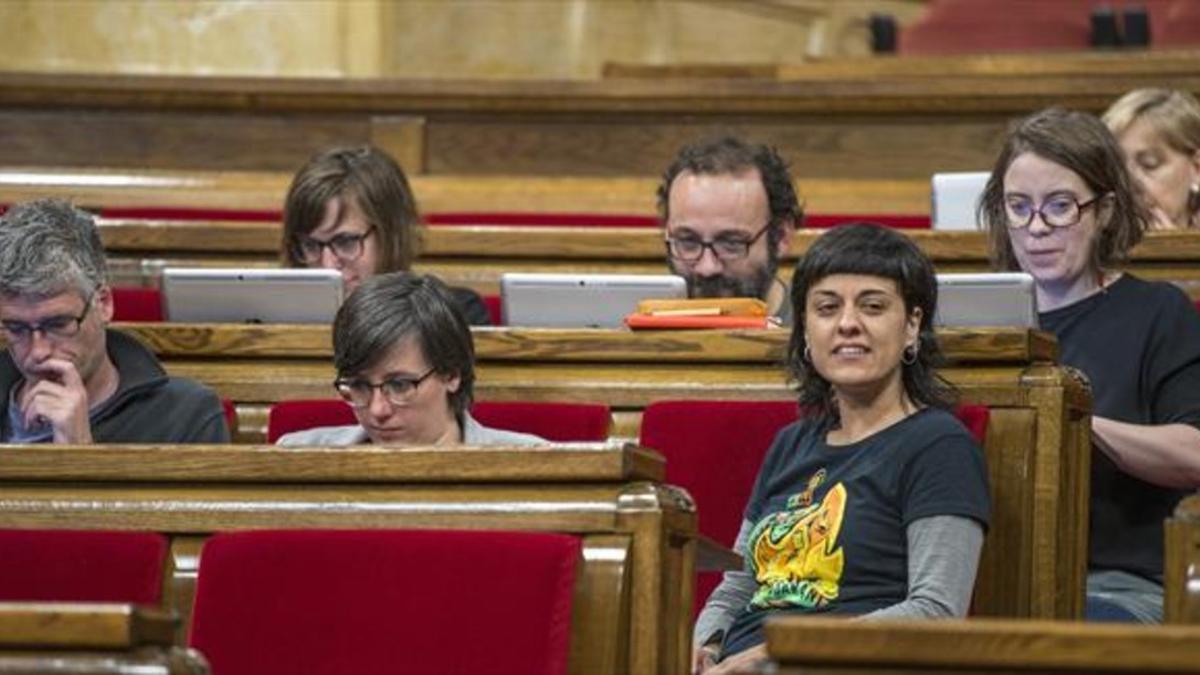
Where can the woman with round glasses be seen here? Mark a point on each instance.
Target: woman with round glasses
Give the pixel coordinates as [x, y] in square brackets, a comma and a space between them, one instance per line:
[351, 209]
[876, 502]
[1159, 132]
[1061, 206]
[406, 365]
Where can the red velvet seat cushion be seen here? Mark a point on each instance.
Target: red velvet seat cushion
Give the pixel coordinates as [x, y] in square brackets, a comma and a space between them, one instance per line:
[326, 602]
[81, 566]
[132, 303]
[495, 309]
[552, 421]
[231, 416]
[975, 419]
[288, 416]
[714, 450]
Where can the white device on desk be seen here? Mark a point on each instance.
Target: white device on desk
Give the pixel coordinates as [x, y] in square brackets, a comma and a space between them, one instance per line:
[955, 197]
[992, 299]
[580, 300]
[206, 295]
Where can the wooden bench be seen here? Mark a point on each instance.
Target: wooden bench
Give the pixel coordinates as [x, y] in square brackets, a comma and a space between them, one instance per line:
[1038, 441]
[854, 122]
[476, 255]
[823, 646]
[631, 610]
[467, 193]
[94, 638]
[1181, 563]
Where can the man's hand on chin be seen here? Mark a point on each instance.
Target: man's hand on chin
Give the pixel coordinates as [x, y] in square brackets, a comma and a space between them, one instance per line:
[58, 398]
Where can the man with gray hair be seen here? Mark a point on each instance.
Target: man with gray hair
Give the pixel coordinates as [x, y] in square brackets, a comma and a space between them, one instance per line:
[65, 377]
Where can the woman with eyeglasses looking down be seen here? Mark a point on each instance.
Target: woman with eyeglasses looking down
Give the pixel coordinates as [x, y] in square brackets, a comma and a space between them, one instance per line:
[1061, 206]
[406, 364]
[876, 501]
[352, 210]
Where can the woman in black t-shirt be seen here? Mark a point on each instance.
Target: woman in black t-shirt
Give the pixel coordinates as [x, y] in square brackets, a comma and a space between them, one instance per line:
[1061, 206]
[875, 503]
[352, 210]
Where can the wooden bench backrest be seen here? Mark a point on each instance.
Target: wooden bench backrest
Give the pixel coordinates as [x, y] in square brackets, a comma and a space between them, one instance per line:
[639, 537]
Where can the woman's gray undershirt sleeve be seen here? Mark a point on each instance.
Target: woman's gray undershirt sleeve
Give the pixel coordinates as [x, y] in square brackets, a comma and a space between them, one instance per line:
[943, 556]
[729, 598]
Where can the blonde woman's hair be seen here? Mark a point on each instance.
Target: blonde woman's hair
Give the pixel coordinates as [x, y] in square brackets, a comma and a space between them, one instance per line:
[1173, 114]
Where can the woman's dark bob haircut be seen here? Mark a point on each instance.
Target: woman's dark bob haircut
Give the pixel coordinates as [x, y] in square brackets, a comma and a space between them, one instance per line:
[388, 309]
[874, 250]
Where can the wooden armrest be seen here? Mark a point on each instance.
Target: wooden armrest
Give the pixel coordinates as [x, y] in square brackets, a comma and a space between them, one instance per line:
[83, 625]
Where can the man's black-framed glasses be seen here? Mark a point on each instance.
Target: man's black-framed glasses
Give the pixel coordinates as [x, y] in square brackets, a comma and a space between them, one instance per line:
[345, 247]
[63, 326]
[1057, 211]
[690, 248]
[357, 391]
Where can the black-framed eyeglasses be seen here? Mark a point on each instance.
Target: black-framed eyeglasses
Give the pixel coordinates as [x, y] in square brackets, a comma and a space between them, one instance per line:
[346, 247]
[60, 327]
[357, 391]
[725, 247]
[1058, 211]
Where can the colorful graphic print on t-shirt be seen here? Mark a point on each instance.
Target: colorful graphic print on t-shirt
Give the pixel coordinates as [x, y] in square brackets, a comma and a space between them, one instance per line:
[795, 553]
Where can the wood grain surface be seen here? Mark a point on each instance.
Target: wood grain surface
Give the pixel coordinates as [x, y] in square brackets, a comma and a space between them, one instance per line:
[981, 645]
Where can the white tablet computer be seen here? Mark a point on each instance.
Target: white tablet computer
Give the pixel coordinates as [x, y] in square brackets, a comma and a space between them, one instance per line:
[580, 300]
[955, 196]
[197, 294]
[993, 299]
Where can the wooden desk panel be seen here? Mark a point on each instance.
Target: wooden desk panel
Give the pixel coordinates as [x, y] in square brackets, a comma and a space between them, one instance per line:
[91, 639]
[900, 122]
[467, 192]
[826, 646]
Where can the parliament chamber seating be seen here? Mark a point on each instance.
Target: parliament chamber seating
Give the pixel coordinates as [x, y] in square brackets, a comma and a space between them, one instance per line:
[386, 601]
[559, 422]
[82, 566]
[637, 534]
[1036, 444]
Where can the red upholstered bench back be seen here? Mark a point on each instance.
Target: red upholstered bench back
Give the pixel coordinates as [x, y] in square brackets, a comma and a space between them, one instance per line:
[134, 303]
[81, 566]
[714, 450]
[552, 421]
[385, 601]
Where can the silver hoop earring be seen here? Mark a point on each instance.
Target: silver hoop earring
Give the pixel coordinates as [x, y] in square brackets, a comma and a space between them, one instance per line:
[909, 356]
[807, 355]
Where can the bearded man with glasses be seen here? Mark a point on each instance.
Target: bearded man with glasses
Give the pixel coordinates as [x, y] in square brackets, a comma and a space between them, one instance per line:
[405, 364]
[65, 377]
[729, 210]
